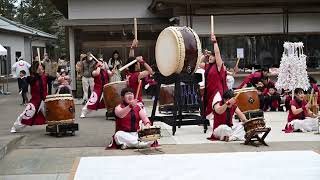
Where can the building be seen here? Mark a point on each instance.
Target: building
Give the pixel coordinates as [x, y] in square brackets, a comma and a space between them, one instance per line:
[259, 27]
[20, 41]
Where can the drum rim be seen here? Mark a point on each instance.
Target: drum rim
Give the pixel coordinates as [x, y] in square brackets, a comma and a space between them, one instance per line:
[245, 90]
[58, 95]
[199, 48]
[58, 98]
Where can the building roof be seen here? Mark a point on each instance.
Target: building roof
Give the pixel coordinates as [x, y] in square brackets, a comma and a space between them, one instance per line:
[12, 26]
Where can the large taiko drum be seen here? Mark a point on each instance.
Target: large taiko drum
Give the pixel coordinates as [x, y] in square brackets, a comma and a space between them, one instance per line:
[178, 49]
[60, 109]
[248, 100]
[112, 94]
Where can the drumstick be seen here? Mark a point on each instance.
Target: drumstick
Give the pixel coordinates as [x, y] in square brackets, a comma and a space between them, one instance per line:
[138, 89]
[212, 25]
[38, 51]
[135, 29]
[237, 95]
[94, 58]
[127, 65]
[310, 98]
[237, 63]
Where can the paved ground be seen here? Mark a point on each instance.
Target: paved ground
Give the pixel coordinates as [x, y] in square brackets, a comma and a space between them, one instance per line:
[35, 155]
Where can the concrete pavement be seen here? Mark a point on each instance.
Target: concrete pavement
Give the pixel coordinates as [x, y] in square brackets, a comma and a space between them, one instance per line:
[40, 156]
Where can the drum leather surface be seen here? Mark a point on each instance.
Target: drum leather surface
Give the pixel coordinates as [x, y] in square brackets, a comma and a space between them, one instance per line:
[58, 110]
[248, 100]
[112, 94]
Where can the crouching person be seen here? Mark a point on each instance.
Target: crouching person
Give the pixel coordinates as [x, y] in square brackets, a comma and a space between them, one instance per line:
[300, 118]
[128, 114]
[224, 109]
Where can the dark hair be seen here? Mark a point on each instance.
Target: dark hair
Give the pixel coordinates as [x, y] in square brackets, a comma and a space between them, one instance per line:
[132, 68]
[63, 72]
[64, 90]
[125, 90]
[298, 90]
[265, 69]
[312, 80]
[228, 94]
[23, 72]
[34, 67]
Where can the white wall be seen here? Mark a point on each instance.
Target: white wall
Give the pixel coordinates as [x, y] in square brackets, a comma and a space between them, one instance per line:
[304, 22]
[16, 43]
[38, 43]
[100, 9]
[255, 24]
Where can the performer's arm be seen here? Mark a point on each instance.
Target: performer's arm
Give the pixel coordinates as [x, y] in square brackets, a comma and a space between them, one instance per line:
[216, 49]
[296, 111]
[242, 117]
[221, 109]
[122, 112]
[148, 70]
[144, 117]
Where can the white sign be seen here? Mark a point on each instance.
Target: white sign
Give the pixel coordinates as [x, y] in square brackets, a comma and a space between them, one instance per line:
[240, 53]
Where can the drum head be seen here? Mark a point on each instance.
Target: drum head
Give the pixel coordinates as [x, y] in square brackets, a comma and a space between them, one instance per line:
[168, 51]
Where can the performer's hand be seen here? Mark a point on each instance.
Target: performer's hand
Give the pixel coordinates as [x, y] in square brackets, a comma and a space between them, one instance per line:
[213, 38]
[147, 125]
[140, 59]
[231, 102]
[134, 43]
[308, 106]
[133, 103]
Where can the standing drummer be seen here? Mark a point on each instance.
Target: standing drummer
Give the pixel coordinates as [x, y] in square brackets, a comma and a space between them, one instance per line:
[34, 113]
[100, 75]
[224, 109]
[128, 114]
[215, 78]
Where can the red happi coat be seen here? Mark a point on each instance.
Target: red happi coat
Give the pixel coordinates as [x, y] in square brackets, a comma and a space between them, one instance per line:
[301, 115]
[215, 81]
[220, 119]
[124, 124]
[316, 89]
[252, 78]
[38, 85]
[134, 83]
[96, 101]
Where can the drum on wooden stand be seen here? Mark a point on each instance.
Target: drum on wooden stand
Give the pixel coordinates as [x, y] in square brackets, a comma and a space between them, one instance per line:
[166, 95]
[178, 50]
[60, 109]
[254, 124]
[150, 134]
[248, 100]
[112, 94]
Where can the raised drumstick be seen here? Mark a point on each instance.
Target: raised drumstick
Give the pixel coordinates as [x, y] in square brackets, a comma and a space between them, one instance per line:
[94, 58]
[38, 51]
[138, 89]
[127, 65]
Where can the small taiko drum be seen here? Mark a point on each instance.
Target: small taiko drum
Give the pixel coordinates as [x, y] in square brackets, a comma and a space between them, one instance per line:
[248, 99]
[178, 50]
[150, 134]
[254, 124]
[60, 109]
[166, 96]
[112, 94]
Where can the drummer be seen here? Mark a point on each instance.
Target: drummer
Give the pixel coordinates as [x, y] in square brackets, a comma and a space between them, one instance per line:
[128, 114]
[300, 118]
[215, 77]
[100, 75]
[254, 78]
[34, 113]
[223, 128]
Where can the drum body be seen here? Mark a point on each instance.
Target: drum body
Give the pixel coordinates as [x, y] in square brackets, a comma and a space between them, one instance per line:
[112, 94]
[254, 124]
[166, 96]
[248, 100]
[150, 134]
[178, 49]
[60, 109]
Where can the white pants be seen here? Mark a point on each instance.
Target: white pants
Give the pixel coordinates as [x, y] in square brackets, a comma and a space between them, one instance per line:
[305, 125]
[130, 139]
[86, 82]
[235, 133]
[28, 113]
